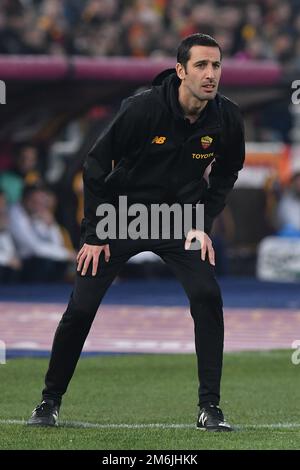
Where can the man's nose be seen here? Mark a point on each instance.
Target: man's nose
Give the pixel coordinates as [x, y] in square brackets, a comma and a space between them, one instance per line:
[210, 73]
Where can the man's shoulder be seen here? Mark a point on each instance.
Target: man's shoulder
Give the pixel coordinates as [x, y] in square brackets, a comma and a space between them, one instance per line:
[139, 107]
[228, 105]
[231, 112]
[138, 100]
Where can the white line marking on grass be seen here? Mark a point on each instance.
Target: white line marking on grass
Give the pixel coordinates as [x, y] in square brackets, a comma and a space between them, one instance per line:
[79, 424]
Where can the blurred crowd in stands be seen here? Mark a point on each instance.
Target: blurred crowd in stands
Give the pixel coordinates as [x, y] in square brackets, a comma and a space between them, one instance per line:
[264, 29]
[33, 246]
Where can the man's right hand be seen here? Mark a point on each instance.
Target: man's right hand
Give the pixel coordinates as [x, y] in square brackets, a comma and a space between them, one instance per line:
[90, 253]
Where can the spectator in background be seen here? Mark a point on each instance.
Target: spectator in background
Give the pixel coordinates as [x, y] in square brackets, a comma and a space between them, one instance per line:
[38, 237]
[140, 27]
[10, 264]
[25, 171]
[288, 211]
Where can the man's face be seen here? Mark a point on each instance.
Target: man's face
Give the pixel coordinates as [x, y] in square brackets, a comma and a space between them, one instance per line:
[202, 74]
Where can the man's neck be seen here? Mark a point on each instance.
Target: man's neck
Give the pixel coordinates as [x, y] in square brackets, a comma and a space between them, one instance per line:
[191, 106]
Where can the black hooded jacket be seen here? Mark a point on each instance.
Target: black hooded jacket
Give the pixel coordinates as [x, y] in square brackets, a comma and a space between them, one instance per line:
[161, 157]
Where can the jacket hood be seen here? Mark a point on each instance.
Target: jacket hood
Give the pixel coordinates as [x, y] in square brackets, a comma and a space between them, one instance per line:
[165, 85]
[161, 76]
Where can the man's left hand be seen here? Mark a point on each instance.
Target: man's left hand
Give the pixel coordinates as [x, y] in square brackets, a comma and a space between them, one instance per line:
[206, 244]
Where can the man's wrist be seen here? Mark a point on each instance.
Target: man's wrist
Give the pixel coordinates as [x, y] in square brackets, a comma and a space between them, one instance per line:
[94, 240]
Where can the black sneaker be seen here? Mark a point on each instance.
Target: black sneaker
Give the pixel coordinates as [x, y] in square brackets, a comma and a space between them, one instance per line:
[211, 418]
[45, 414]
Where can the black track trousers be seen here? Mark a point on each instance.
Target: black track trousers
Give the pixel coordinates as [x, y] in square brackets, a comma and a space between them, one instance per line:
[198, 280]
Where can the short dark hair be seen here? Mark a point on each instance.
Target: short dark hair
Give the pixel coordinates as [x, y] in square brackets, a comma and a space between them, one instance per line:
[198, 39]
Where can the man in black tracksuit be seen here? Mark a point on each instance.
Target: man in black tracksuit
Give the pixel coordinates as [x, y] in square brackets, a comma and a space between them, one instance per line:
[161, 141]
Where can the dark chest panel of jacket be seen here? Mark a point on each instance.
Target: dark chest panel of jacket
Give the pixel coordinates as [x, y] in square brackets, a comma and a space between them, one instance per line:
[160, 157]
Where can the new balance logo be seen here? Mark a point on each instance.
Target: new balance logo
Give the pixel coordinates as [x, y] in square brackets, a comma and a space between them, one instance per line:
[159, 140]
[202, 419]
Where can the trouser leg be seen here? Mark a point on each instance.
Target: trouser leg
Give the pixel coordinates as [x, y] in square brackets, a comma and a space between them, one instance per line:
[198, 279]
[76, 322]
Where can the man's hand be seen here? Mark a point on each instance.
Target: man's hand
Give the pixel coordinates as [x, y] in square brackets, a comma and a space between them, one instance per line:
[206, 244]
[90, 253]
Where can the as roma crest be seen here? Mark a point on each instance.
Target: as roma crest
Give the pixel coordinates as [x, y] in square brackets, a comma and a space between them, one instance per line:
[206, 141]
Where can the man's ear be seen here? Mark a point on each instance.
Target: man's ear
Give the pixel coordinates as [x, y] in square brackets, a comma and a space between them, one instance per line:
[180, 71]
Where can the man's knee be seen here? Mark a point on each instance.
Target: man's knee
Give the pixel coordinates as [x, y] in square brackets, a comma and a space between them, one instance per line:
[80, 311]
[208, 292]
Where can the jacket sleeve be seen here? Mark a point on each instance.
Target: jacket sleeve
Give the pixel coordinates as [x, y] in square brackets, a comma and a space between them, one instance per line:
[225, 168]
[111, 145]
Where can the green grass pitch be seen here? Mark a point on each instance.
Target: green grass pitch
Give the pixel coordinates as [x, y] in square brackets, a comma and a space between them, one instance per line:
[149, 402]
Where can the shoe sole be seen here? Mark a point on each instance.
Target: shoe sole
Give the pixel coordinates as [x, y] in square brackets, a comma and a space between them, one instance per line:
[214, 429]
[39, 425]
[48, 425]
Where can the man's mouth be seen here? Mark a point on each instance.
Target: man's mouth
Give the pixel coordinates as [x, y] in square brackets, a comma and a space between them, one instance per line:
[209, 86]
